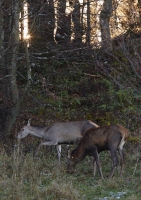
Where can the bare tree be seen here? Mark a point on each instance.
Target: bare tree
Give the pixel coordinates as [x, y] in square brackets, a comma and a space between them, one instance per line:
[46, 20]
[2, 69]
[139, 7]
[9, 28]
[63, 23]
[104, 24]
[88, 23]
[77, 29]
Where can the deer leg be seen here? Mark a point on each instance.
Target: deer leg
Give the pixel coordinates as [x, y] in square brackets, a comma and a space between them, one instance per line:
[122, 160]
[96, 159]
[93, 162]
[115, 162]
[58, 147]
[94, 166]
[49, 143]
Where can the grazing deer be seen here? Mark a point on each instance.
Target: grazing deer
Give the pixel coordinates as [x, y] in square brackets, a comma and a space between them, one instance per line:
[57, 133]
[96, 140]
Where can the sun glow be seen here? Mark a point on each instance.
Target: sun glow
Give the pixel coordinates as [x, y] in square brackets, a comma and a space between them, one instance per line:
[26, 36]
[24, 29]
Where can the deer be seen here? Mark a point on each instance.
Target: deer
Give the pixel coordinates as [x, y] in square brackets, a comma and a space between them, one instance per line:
[109, 137]
[57, 133]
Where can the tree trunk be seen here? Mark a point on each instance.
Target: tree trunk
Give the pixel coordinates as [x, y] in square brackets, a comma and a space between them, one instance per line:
[2, 72]
[12, 53]
[77, 23]
[139, 7]
[60, 32]
[47, 21]
[1, 43]
[104, 24]
[88, 23]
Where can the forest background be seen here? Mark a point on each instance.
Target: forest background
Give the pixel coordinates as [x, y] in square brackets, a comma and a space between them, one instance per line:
[64, 61]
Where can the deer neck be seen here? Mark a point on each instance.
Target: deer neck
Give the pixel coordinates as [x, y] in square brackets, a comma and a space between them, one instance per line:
[79, 153]
[35, 132]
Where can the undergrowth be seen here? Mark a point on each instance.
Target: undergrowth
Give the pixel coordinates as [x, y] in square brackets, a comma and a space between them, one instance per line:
[24, 177]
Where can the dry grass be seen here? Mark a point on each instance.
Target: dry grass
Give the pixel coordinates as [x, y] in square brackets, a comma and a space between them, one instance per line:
[22, 177]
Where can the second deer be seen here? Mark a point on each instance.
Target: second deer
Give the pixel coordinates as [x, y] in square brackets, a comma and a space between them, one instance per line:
[96, 140]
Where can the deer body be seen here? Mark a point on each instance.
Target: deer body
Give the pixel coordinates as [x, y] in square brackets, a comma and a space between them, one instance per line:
[100, 139]
[57, 133]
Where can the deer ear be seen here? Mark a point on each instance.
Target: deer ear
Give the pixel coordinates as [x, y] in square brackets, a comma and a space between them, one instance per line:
[28, 123]
[69, 153]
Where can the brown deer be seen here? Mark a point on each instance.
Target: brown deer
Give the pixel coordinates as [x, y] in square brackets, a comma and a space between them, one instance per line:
[57, 133]
[96, 140]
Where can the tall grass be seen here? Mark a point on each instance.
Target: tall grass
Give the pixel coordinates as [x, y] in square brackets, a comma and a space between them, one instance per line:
[23, 177]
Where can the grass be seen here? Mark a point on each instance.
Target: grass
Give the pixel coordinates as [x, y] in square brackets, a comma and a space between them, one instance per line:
[23, 177]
